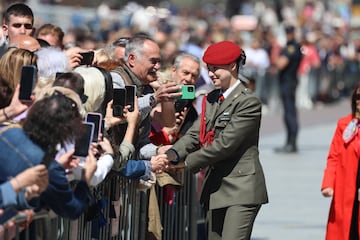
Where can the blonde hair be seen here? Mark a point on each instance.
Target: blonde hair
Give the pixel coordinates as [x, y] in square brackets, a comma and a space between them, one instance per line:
[104, 59]
[11, 63]
[43, 83]
[94, 87]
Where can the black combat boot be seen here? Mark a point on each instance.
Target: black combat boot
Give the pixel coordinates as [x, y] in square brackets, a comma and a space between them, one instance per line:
[290, 147]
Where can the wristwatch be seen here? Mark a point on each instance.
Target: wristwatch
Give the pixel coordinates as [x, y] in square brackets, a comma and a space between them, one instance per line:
[172, 156]
[152, 101]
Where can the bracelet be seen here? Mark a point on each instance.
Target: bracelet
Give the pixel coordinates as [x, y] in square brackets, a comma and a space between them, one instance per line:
[111, 154]
[6, 116]
[157, 149]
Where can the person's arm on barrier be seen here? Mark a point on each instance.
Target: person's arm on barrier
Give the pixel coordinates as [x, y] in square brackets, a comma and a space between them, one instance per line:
[60, 197]
[15, 192]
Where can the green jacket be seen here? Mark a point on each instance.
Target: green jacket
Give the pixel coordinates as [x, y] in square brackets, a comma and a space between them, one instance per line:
[234, 173]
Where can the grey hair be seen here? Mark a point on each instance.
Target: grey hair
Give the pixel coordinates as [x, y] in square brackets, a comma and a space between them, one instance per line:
[50, 61]
[136, 46]
[178, 59]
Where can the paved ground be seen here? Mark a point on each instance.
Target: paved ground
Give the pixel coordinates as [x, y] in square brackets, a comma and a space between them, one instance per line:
[296, 210]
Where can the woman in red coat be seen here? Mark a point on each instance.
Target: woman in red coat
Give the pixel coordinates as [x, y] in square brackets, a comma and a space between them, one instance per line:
[341, 176]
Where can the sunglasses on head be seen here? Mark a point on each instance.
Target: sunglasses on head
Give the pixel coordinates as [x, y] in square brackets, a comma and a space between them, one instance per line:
[72, 102]
[121, 41]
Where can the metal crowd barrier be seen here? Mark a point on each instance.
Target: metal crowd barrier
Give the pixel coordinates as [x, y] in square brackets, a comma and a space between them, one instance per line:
[120, 197]
[181, 218]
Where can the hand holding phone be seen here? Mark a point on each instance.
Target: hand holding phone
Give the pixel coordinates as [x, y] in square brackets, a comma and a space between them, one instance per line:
[180, 104]
[27, 82]
[9, 214]
[188, 92]
[87, 58]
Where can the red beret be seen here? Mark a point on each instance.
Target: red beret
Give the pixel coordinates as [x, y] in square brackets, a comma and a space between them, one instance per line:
[222, 53]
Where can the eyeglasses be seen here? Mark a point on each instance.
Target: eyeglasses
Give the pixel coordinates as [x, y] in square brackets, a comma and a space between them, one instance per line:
[26, 25]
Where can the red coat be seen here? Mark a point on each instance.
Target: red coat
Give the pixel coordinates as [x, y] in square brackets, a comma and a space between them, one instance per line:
[340, 174]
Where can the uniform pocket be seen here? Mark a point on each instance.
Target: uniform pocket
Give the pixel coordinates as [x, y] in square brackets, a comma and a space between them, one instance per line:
[246, 164]
[220, 123]
[243, 168]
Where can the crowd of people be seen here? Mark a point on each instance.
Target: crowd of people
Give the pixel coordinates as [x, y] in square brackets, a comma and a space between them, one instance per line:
[216, 131]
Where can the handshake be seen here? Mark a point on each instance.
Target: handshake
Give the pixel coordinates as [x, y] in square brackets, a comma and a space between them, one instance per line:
[166, 160]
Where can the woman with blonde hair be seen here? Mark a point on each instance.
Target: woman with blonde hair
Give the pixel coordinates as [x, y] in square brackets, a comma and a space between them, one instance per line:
[11, 63]
[10, 71]
[95, 88]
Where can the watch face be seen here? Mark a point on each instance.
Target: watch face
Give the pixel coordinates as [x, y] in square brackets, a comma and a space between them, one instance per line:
[152, 101]
[172, 156]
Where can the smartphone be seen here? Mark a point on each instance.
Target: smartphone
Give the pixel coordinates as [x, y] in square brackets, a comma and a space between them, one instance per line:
[180, 104]
[130, 96]
[8, 215]
[102, 127]
[57, 74]
[87, 58]
[119, 101]
[83, 140]
[27, 82]
[95, 118]
[188, 92]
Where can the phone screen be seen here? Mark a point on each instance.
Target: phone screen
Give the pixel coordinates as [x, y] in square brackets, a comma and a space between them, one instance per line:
[83, 140]
[27, 81]
[95, 118]
[130, 96]
[188, 92]
[87, 59]
[119, 101]
[58, 74]
[8, 214]
[180, 104]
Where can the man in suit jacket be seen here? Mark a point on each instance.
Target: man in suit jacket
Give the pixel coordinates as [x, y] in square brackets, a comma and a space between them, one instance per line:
[225, 141]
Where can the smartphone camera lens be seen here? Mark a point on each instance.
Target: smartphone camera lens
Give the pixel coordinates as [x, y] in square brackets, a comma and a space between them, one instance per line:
[190, 89]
